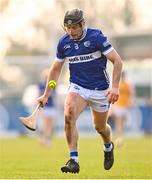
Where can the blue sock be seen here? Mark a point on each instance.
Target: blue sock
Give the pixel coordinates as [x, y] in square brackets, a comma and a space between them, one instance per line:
[74, 155]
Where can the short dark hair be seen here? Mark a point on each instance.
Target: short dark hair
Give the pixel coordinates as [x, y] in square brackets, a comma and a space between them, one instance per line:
[74, 16]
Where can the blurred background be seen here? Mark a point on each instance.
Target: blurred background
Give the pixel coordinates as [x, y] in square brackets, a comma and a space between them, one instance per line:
[29, 32]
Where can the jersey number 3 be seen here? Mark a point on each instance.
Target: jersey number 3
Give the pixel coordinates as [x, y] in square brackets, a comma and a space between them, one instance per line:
[76, 46]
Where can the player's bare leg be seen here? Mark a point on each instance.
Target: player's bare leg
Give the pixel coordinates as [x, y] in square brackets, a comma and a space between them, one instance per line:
[101, 126]
[74, 105]
[47, 130]
[120, 124]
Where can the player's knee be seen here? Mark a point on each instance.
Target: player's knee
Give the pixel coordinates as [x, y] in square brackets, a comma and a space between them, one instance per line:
[69, 115]
[69, 123]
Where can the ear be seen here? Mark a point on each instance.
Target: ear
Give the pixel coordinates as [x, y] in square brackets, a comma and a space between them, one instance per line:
[83, 23]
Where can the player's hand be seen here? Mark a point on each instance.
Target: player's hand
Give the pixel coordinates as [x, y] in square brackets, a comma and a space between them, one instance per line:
[113, 95]
[42, 100]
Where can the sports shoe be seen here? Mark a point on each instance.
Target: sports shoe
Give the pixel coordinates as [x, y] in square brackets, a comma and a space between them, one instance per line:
[108, 158]
[71, 166]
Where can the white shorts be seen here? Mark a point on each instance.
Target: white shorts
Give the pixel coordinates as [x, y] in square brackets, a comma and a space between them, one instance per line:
[120, 111]
[49, 111]
[97, 99]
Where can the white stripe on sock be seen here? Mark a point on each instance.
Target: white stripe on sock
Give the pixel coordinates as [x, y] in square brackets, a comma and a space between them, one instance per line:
[109, 148]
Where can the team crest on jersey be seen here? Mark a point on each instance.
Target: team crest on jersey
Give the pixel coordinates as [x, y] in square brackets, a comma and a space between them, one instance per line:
[87, 43]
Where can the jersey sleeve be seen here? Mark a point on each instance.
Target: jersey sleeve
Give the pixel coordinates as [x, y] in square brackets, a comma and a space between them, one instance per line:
[59, 53]
[103, 44]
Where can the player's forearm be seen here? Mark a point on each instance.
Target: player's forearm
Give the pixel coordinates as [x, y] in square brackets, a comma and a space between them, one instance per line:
[117, 69]
[114, 57]
[54, 74]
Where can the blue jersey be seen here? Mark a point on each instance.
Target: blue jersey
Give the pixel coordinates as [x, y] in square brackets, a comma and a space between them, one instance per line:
[87, 60]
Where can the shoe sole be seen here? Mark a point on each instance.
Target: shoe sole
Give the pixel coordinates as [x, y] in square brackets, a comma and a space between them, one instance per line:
[66, 170]
[108, 168]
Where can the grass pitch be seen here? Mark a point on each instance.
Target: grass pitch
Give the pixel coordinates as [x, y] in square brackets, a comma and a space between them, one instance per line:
[24, 158]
